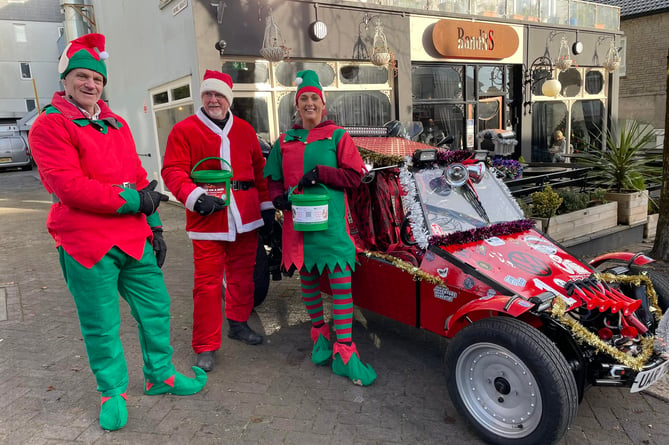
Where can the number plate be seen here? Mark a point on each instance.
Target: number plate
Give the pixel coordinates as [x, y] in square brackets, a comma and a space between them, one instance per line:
[3, 160]
[646, 378]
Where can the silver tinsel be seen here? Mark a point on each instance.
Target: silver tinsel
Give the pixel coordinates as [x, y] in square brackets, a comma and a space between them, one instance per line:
[412, 207]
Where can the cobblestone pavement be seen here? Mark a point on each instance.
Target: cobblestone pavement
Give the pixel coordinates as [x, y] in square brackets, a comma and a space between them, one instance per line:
[268, 394]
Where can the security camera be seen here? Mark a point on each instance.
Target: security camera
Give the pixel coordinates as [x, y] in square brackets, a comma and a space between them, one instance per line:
[220, 46]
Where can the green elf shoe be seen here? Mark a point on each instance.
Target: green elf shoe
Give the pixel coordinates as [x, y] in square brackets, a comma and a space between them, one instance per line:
[178, 384]
[321, 352]
[346, 363]
[113, 413]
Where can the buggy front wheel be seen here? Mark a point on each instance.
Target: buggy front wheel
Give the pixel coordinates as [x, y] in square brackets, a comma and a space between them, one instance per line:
[511, 382]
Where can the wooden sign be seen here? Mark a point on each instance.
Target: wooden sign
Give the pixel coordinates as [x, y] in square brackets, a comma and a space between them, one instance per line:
[459, 39]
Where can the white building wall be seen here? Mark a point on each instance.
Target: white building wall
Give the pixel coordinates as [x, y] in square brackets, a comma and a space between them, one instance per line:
[41, 52]
[147, 47]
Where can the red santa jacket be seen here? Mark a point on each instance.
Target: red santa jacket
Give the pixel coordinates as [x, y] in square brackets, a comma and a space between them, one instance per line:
[196, 138]
[85, 166]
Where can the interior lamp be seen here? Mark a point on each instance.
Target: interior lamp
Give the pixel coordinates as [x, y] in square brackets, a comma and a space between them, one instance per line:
[551, 88]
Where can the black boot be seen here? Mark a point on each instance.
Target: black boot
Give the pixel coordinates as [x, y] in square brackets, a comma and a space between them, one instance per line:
[205, 361]
[240, 330]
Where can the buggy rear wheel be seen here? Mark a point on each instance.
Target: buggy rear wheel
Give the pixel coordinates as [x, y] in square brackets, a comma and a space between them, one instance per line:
[511, 382]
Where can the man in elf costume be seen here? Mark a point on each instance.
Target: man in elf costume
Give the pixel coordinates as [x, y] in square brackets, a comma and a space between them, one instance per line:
[107, 230]
[309, 156]
[224, 233]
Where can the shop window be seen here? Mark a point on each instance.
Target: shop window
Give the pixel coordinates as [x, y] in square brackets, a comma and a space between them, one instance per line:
[587, 120]
[253, 110]
[247, 72]
[547, 117]
[356, 74]
[571, 81]
[286, 71]
[594, 82]
[441, 82]
[439, 122]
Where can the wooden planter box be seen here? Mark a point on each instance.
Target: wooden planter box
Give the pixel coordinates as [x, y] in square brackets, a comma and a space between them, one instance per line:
[581, 222]
[632, 206]
[650, 227]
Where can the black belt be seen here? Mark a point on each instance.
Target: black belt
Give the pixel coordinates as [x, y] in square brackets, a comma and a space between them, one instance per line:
[125, 185]
[242, 185]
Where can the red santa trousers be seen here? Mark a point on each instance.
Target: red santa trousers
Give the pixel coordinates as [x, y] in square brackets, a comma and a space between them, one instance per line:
[213, 259]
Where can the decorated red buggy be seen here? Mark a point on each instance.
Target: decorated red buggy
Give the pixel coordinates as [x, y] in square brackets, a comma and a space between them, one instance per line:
[444, 247]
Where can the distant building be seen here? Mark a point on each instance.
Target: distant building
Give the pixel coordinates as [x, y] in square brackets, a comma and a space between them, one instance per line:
[29, 32]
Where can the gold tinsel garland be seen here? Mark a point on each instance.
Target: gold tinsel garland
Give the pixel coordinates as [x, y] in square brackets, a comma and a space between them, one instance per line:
[378, 159]
[583, 334]
[409, 268]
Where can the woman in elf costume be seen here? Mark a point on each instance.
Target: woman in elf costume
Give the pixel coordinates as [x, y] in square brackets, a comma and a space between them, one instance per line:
[307, 156]
[107, 230]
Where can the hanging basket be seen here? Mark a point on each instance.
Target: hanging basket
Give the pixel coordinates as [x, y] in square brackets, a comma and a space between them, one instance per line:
[612, 61]
[611, 65]
[379, 58]
[273, 47]
[564, 64]
[273, 53]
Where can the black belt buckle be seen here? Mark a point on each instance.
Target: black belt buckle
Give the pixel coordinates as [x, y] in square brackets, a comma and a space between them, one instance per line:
[241, 185]
[128, 185]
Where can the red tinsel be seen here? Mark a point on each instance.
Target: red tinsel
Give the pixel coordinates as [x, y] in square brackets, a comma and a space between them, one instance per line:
[481, 233]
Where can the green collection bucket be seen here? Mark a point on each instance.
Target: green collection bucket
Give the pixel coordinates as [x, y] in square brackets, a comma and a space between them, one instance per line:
[310, 212]
[215, 182]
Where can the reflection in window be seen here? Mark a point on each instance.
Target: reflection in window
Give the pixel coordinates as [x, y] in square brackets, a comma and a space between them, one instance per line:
[587, 120]
[546, 118]
[160, 98]
[594, 82]
[356, 74]
[182, 92]
[491, 80]
[166, 119]
[443, 82]
[286, 71]
[247, 72]
[345, 108]
[440, 121]
[571, 82]
[254, 111]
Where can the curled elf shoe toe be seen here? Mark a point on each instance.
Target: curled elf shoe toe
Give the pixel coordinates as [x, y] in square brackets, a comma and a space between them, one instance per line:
[178, 384]
[240, 330]
[321, 352]
[205, 361]
[346, 363]
[113, 412]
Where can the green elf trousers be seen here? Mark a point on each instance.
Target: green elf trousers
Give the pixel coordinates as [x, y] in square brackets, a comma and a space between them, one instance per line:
[96, 292]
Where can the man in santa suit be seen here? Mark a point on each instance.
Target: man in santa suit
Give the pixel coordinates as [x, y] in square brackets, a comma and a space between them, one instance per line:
[107, 230]
[223, 227]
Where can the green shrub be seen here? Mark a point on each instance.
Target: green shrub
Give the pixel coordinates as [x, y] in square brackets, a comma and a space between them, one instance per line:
[545, 203]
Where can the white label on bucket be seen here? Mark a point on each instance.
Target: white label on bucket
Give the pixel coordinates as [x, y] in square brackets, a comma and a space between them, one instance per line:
[214, 190]
[310, 214]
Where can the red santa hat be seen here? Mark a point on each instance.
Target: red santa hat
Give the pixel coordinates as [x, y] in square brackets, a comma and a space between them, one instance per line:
[218, 82]
[87, 51]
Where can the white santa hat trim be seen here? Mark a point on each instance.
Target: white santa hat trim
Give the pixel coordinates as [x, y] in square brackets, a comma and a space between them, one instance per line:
[218, 82]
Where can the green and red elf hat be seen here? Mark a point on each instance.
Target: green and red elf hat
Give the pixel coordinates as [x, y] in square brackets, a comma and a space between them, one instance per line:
[307, 82]
[87, 51]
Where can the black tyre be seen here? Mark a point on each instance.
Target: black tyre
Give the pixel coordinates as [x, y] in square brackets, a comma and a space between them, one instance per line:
[261, 275]
[511, 382]
[661, 286]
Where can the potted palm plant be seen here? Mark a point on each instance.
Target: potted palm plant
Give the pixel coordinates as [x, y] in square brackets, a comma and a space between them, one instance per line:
[624, 165]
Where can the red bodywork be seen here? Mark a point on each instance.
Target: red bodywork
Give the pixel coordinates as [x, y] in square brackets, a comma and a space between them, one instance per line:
[494, 276]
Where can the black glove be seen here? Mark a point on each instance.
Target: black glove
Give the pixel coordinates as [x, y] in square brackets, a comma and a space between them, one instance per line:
[149, 199]
[266, 230]
[207, 204]
[310, 178]
[281, 202]
[159, 246]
